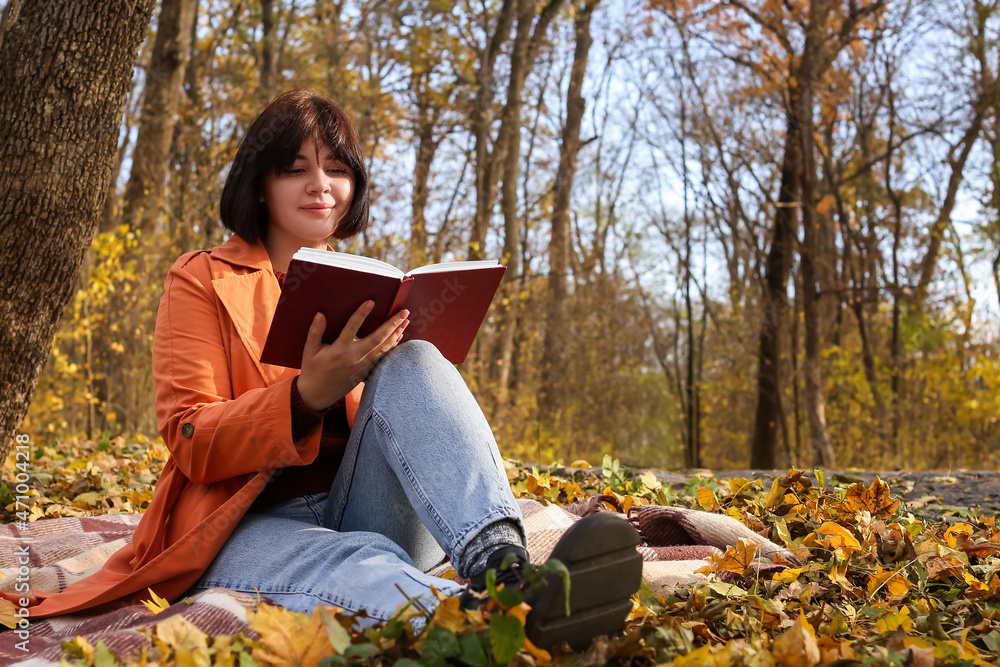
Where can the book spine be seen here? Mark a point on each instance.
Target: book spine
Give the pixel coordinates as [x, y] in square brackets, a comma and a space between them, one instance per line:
[401, 294]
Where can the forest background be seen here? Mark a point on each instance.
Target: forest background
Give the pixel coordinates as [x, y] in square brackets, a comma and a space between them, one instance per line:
[736, 232]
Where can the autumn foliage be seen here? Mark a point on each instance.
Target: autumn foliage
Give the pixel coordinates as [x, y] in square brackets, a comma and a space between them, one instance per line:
[880, 583]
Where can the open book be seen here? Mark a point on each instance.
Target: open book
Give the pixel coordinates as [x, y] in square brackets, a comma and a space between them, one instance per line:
[447, 301]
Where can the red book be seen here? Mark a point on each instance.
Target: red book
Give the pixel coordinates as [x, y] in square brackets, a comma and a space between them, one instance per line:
[447, 302]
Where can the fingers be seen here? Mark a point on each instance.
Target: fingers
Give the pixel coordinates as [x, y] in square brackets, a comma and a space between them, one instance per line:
[385, 332]
[357, 319]
[314, 339]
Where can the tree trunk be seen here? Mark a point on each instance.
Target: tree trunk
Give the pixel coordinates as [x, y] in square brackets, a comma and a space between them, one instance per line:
[822, 450]
[426, 148]
[143, 198]
[267, 47]
[775, 298]
[522, 60]
[485, 177]
[549, 399]
[10, 14]
[61, 99]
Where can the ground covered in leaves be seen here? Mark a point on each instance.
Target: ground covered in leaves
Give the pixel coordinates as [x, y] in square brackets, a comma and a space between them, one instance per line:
[881, 584]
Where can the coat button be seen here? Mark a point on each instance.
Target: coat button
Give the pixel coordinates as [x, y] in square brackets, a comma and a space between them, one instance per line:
[187, 430]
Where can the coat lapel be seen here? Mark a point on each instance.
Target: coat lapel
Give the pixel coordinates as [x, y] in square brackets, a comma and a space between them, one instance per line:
[251, 316]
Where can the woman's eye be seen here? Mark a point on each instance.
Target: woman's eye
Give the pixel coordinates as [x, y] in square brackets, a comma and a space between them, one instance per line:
[294, 171]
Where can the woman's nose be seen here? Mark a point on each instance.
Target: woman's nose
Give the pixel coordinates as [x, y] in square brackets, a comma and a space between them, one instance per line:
[318, 182]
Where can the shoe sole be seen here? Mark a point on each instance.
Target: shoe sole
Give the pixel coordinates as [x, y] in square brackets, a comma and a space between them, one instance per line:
[605, 571]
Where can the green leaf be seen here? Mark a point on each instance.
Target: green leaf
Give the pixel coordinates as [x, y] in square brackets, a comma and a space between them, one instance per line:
[439, 645]
[406, 662]
[361, 650]
[472, 651]
[246, 659]
[339, 638]
[103, 657]
[506, 637]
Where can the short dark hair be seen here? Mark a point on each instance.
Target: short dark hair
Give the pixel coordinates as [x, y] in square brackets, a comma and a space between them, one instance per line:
[270, 146]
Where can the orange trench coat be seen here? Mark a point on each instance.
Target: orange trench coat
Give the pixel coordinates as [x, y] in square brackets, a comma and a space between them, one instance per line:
[225, 417]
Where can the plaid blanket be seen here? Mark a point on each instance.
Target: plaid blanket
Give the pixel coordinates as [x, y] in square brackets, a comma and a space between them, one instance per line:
[675, 542]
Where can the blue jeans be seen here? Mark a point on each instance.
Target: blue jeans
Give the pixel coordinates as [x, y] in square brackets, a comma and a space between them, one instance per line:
[421, 477]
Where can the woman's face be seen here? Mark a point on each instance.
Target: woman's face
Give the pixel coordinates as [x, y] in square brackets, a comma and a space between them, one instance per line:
[307, 201]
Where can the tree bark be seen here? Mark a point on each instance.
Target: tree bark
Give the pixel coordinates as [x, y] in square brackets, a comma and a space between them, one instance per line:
[61, 98]
[526, 44]
[486, 176]
[143, 198]
[775, 299]
[553, 361]
[267, 47]
[822, 450]
[10, 14]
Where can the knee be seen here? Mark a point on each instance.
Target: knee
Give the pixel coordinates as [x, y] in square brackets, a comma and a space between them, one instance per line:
[417, 353]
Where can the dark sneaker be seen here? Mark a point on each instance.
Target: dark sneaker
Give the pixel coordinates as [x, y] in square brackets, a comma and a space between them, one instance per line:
[605, 571]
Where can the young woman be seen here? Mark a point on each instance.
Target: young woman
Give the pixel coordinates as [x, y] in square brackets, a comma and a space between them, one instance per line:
[343, 484]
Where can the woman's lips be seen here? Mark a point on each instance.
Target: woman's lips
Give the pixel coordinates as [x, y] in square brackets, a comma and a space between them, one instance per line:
[318, 209]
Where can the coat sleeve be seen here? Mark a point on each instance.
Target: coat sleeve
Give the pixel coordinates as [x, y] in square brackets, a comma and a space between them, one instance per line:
[212, 434]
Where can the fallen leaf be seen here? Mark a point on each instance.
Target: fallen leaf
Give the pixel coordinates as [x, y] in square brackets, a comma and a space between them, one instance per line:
[707, 499]
[797, 647]
[188, 643]
[156, 604]
[945, 566]
[835, 537]
[876, 499]
[7, 613]
[893, 582]
[448, 615]
[736, 559]
[290, 639]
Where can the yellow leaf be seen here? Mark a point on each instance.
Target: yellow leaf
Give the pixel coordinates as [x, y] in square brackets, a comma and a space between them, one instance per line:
[289, 639]
[796, 647]
[156, 604]
[837, 538]
[7, 615]
[707, 499]
[189, 644]
[86, 650]
[448, 615]
[893, 622]
[738, 485]
[838, 571]
[894, 583]
[951, 535]
[703, 657]
[789, 575]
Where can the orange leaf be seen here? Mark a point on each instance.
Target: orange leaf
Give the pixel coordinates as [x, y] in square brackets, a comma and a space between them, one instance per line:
[945, 566]
[291, 639]
[797, 647]
[736, 559]
[876, 500]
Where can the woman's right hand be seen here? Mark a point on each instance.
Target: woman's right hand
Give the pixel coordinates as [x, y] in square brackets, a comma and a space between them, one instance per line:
[330, 372]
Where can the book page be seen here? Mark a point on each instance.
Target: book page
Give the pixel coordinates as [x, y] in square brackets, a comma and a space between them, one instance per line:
[348, 261]
[455, 266]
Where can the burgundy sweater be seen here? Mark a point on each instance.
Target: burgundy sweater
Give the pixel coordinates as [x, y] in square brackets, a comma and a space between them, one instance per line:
[317, 477]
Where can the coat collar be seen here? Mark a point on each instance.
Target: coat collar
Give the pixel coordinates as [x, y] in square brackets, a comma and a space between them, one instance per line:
[238, 252]
[250, 299]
